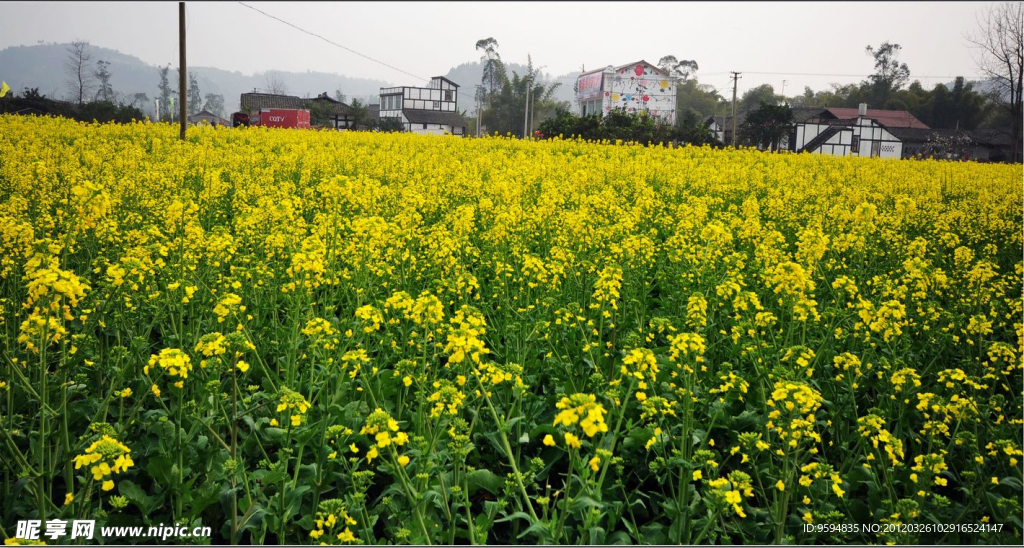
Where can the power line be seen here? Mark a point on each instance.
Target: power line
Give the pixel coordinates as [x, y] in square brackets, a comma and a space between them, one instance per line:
[346, 48]
[912, 76]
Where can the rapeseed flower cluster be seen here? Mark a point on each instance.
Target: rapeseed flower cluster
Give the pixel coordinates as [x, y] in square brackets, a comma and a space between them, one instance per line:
[104, 458]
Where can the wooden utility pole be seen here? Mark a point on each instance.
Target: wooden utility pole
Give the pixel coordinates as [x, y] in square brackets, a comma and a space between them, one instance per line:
[526, 113]
[735, 80]
[479, 105]
[183, 70]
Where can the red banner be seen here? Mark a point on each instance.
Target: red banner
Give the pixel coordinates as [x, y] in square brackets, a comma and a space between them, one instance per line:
[590, 85]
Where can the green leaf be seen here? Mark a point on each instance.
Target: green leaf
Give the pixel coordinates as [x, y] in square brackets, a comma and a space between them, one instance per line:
[582, 502]
[619, 537]
[486, 480]
[515, 515]
[162, 469]
[274, 433]
[135, 495]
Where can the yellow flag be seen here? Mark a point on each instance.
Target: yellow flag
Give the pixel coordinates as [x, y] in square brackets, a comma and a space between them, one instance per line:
[4, 89]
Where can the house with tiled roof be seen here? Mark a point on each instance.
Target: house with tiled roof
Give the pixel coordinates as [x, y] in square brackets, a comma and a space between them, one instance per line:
[207, 117]
[852, 131]
[982, 145]
[332, 113]
[430, 110]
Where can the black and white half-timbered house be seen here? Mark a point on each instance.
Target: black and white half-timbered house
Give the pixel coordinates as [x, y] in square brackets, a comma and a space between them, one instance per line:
[836, 131]
[429, 110]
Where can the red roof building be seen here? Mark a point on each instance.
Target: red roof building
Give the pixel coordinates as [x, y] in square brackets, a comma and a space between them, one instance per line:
[888, 118]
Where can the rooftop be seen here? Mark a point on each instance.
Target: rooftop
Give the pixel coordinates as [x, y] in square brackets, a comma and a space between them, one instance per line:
[888, 118]
[256, 101]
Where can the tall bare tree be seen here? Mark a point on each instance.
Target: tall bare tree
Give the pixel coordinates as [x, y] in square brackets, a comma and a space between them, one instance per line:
[274, 84]
[195, 98]
[1000, 43]
[102, 73]
[165, 93]
[79, 74]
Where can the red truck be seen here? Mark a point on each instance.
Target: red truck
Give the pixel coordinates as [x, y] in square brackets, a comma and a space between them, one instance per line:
[275, 117]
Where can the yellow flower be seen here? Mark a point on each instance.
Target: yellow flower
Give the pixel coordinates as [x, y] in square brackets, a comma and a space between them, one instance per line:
[549, 440]
[108, 485]
[403, 460]
[156, 390]
[808, 517]
[780, 485]
[273, 422]
[572, 441]
[697, 475]
[372, 454]
[733, 497]
[242, 366]
[595, 463]
[68, 499]
[995, 480]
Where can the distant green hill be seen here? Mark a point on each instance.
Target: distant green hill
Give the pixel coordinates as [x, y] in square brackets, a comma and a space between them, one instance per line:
[42, 66]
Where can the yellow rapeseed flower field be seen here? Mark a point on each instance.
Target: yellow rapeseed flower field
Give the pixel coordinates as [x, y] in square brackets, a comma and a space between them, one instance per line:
[320, 337]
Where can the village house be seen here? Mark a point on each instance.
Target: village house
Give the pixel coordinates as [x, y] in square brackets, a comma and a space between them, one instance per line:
[430, 110]
[633, 87]
[982, 145]
[206, 117]
[835, 131]
[335, 114]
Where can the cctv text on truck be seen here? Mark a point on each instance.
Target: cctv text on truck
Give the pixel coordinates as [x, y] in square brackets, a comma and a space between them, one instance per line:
[284, 117]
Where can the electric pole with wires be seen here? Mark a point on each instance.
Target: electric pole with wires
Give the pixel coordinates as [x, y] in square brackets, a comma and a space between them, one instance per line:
[735, 79]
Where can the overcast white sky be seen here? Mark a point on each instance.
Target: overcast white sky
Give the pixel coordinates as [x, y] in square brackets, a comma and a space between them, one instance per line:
[793, 39]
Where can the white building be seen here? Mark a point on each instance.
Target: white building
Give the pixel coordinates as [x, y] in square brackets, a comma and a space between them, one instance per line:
[431, 110]
[853, 132]
[835, 131]
[634, 87]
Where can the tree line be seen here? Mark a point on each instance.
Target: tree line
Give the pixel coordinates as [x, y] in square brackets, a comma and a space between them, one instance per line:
[91, 94]
[961, 105]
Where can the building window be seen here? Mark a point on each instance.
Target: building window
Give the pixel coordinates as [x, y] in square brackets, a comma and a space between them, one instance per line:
[437, 105]
[448, 95]
[855, 144]
[424, 126]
